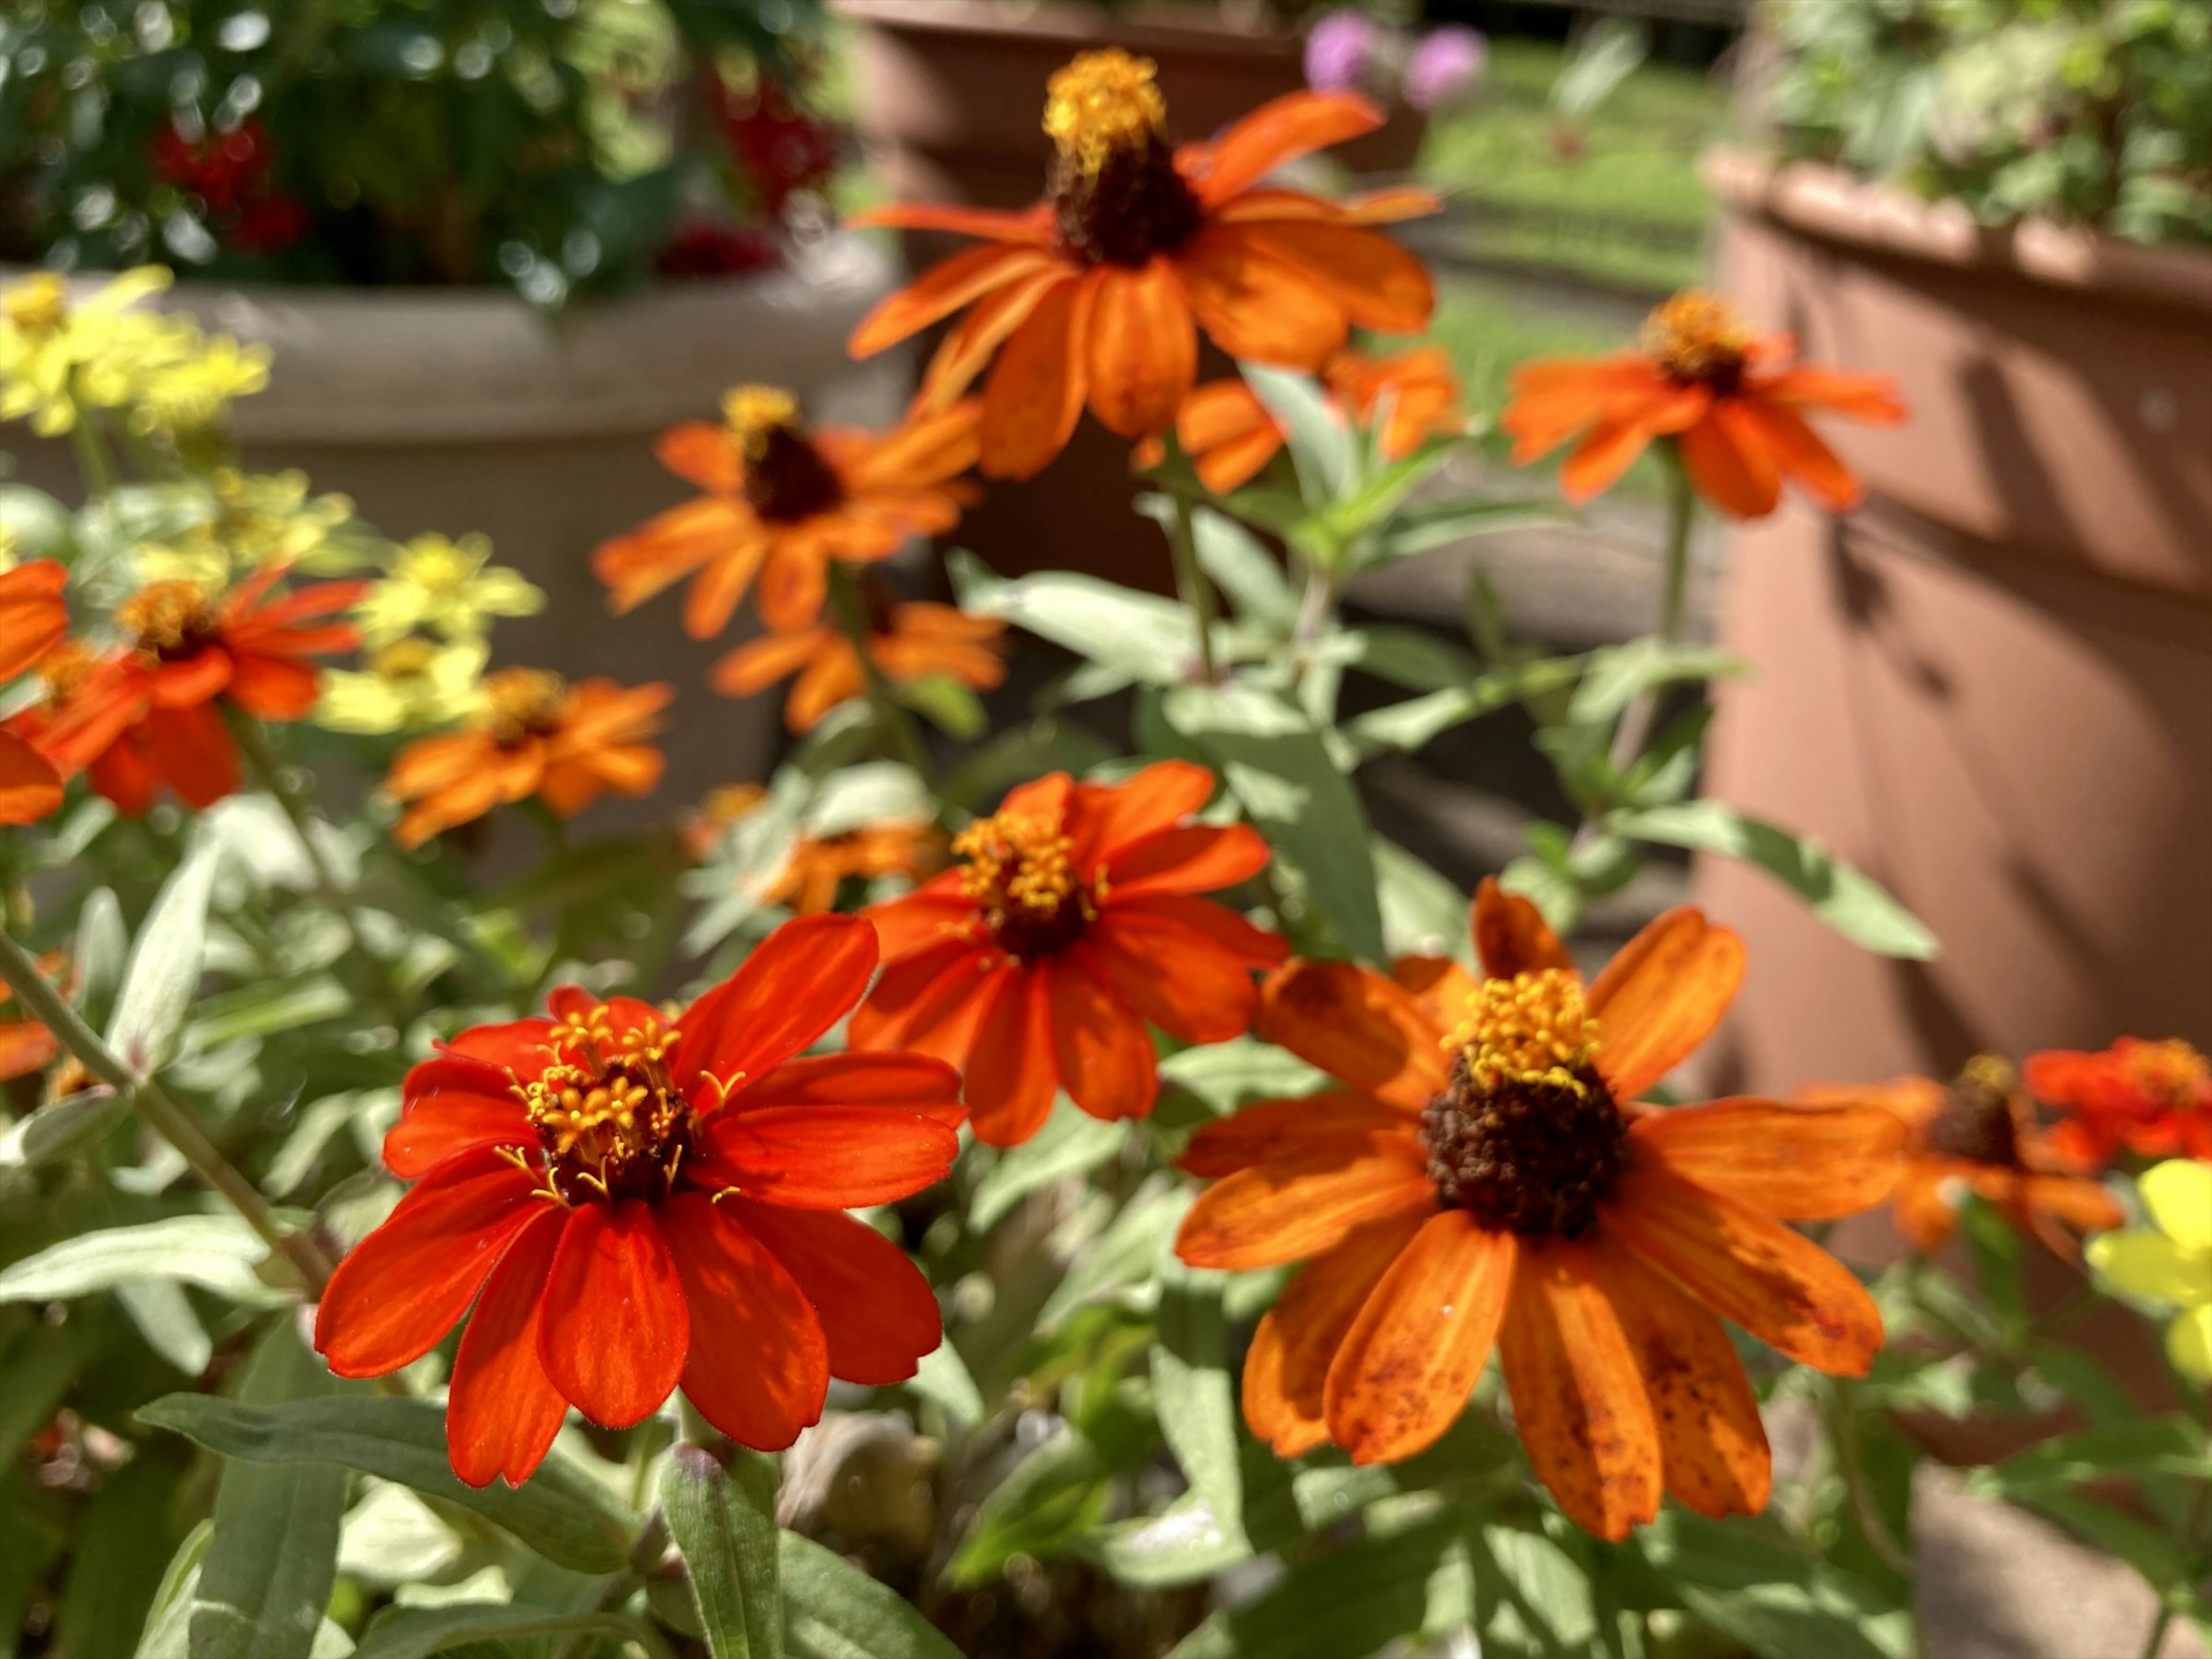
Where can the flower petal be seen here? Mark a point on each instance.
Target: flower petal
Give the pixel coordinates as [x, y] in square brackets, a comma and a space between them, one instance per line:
[759, 1368]
[827, 1158]
[1794, 1163]
[1378, 283]
[1292, 1207]
[2146, 1263]
[30, 784]
[1195, 858]
[1577, 1397]
[440, 1123]
[502, 1410]
[1256, 308]
[1013, 1068]
[1107, 820]
[1800, 453]
[1270, 1129]
[1360, 1028]
[33, 616]
[1511, 936]
[1143, 347]
[1660, 997]
[1282, 130]
[1411, 1357]
[2178, 1195]
[2189, 1342]
[1778, 1284]
[1440, 987]
[1730, 462]
[1173, 977]
[878, 1314]
[616, 1326]
[1104, 1052]
[904, 1081]
[968, 276]
[1035, 389]
[1254, 947]
[803, 979]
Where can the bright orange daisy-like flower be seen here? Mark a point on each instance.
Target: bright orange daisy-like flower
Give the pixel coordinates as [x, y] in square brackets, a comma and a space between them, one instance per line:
[1071, 922]
[908, 641]
[535, 735]
[1485, 1178]
[33, 620]
[782, 501]
[2154, 1098]
[1231, 436]
[1728, 398]
[1095, 294]
[1977, 1136]
[634, 1204]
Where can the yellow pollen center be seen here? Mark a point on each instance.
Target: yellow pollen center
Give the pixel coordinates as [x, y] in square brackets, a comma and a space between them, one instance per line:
[521, 702]
[166, 617]
[404, 659]
[1696, 336]
[756, 412]
[606, 1110]
[66, 668]
[37, 305]
[1528, 1029]
[1102, 102]
[2170, 1071]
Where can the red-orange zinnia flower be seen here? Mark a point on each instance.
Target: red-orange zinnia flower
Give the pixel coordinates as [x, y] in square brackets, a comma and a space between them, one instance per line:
[1977, 1136]
[1097, 294]
[33, 620]
[2154, 1098]
[1230, 435]
[908, 641]
[634, 1204]
[1485, 1178]
[1727, 398]
[783, 500]
[535, 735]
[25, 1045]
[1036, 964]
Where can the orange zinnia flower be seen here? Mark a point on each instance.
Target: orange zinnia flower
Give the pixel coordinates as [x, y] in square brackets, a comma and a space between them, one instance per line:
[33, 620]
[634, 1204]
[907, 641]
[1484, 1177]
[25, 1045]
[2154, 1098]
[1728, 398]
[535, 735]
[820, 865]
[1097, 293]
[1072, 922]
[1978, 1137]
[1230, 435]
[783, 500]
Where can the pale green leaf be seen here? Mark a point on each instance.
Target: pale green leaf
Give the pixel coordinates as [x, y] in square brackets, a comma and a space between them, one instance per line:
[165, 966]
[721, 1504]
[832, 1610]
[217, 1253]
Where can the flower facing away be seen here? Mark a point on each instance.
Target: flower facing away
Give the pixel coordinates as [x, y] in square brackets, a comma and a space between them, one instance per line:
[783, 499]
[33, 620]
[1729, 400]
[2154, 1098]
[635, 1203]
[451, 587]
[1095, 295]
[2170, 1261]
[814, 871]
[1977, 1136]
[908, 641]
[1230, 435]
[1071, 924]
[411, 683]
[533, 734]
[1484, 1177]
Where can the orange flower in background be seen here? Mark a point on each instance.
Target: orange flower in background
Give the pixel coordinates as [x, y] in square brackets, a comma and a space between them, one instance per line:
[634, 1204]
[25, 1045]
[1977, 1136]
[821, 865]
[1730, 401]
[1484, 1177]
[1095, 294]
[782, 501]
[1231, 436]
[908, 641]
[92, 720]
[536, 735]
[33, 620]
[1072, 923]
[2154, 1098]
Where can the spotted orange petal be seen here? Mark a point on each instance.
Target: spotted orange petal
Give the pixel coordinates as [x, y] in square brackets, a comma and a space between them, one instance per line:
[1292, 1207]
[1660, 996]
[1794, 1163]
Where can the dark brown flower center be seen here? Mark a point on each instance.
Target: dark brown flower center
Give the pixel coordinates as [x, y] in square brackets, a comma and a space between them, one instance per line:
[1980, 1118]
[1117, 195]
[786, 478]
[611, 1123]
[168, 620]
[1696, 337]
[1021, 877]
[1526, 1137]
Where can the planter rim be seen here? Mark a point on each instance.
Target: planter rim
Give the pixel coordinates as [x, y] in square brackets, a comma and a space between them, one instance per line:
[1160, 28]
[1828, 204]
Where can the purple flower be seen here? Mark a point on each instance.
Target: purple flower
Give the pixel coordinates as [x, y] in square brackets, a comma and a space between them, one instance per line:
[1343, 52]
[1443, 69]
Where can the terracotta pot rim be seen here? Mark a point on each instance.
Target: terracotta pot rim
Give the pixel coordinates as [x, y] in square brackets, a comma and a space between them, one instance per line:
[1827, 203]
[1157, 28]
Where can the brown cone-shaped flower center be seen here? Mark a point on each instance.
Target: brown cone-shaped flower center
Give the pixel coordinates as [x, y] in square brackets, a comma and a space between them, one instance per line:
[1116, 193]
[520, 703]
[1525, 1137]
[169, 620]
[611, 1121]
[1021, 877]
[1980, 1120]
[787, 478]
[1696, 336]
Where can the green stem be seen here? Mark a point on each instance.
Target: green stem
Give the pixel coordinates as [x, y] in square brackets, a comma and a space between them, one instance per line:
[1851, 1465]
[1190, 581]
[162, 1113]
[2170, 1594]
[1635, 728]
[91, 458]
[892, 720]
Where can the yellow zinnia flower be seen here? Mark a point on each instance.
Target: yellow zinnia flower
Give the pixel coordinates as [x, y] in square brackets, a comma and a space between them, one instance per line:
[253, 520]
[60, 353]
[451, 586]
[410, 685]
[2170, 1261]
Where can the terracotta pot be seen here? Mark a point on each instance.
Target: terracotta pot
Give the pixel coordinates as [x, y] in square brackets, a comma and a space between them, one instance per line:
[1991, 686]
[457, 410]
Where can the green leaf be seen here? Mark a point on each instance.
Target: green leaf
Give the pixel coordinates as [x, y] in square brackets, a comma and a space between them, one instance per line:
[1183, 1544]
[942, 1377]
[832, 1610]
[721, 1504]
[1423, 914]
[1343, 1605]
[1320, 440]
[1070, 1142]
[167, 1631]
[1241, 567]
[1150, 637]
[2168, 1445]
[217, 1253]
[1055, 1493]
[1422, 529]
[1746, 1580]
[562, 1513]
[1618, 674]
[1413, 658]
[164, 1316]
[417, 1632]
[1855, 905]
[165, 967]
[273, 1557]
[59, 1131]
[272, 1004]
[1416, 722]
[1275, 761]
[1192, 1393]
[947, 704]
